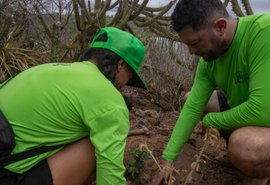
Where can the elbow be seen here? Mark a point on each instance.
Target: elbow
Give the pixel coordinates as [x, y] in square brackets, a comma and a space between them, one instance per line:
[260, 114]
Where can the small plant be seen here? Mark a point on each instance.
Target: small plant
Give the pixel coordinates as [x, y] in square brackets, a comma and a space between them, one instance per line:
[136, 164]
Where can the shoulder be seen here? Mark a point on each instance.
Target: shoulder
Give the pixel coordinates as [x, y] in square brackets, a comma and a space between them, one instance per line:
[256, 21]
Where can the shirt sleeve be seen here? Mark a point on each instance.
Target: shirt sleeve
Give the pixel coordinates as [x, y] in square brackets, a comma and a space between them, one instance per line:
[108, 133]
[255, 111]
[192, 110]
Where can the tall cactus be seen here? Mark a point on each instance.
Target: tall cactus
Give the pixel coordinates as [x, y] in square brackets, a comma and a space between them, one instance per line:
[238, 8]
[247, 7]
[127, 12]
[53, 34]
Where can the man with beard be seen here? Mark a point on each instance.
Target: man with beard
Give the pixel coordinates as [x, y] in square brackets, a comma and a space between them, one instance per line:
[235, 58]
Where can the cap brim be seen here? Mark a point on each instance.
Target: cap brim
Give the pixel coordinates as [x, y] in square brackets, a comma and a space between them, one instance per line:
[136, 81]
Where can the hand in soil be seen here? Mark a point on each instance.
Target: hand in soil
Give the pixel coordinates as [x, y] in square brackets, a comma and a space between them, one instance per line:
[129, 183]
[161, 176]
[158, 178]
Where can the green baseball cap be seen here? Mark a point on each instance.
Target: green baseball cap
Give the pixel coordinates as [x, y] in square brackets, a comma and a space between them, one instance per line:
[127, 46]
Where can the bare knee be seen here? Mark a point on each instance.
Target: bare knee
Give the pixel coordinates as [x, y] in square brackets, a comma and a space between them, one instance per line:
[240, 146]
[245, 149]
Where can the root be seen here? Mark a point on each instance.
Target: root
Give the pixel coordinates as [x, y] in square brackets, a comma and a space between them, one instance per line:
[211, 138]
[167, 171]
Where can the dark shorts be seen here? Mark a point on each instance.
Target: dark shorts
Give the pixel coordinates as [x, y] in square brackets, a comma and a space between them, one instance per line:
[38, 175]
[223, 106]
[222, 100]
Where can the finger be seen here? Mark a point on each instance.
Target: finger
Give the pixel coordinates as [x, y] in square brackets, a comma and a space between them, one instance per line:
[157, 179]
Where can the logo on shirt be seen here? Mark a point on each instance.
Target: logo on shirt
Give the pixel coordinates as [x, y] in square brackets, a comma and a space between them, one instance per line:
[241, 77]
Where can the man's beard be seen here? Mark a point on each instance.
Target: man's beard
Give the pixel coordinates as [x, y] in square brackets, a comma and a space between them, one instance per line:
[220, 48]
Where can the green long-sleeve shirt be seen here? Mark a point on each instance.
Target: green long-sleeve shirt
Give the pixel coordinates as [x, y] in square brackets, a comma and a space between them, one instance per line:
[243, 73]
[54, 104]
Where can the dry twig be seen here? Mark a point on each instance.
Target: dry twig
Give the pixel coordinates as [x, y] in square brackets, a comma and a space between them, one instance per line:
[167, 171]
[211, 138]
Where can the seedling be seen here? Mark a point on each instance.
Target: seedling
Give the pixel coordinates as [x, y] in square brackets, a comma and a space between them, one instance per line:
[137, 163]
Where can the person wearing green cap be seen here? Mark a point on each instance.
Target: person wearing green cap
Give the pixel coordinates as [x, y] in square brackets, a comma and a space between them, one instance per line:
[78, 107]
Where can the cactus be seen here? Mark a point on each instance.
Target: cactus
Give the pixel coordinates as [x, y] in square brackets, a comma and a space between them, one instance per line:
[128, 12]
[237, 8]
[247, 7]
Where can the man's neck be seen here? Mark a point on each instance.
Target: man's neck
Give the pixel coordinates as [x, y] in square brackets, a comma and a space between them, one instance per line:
[233, 23]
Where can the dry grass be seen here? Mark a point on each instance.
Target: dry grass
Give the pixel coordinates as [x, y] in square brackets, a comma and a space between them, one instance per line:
[17, 51]
[163, 72]
[14, 60]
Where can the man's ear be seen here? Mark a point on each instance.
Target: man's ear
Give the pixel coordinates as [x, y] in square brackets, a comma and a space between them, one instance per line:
[220, 26]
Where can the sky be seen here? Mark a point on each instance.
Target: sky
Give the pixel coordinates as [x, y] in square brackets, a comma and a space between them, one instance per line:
[258, 6]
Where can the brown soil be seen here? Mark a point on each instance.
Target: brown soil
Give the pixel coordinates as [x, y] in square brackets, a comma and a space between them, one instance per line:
[155, 114]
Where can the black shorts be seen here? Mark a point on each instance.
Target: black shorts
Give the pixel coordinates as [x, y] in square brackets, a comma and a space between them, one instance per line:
[222, 100]
[223, 106]
[38, 175]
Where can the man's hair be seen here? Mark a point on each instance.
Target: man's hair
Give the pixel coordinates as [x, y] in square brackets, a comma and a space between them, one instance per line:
[106, 60]
[196, 13]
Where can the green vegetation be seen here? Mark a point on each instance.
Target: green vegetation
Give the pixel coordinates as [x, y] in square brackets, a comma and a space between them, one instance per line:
[137, 163]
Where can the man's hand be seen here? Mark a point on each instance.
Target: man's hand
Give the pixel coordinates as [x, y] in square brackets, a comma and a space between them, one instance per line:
[160, 176]
[212, 136]
[129, 183]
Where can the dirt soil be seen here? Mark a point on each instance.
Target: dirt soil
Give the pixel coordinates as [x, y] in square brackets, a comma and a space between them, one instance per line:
[158, 117]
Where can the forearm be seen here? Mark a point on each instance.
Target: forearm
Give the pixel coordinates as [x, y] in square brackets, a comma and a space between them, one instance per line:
[192, 110]
[180, 135]
[247, 114]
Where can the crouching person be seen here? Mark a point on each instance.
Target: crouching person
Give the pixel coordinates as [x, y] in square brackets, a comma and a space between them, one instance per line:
[78, 107]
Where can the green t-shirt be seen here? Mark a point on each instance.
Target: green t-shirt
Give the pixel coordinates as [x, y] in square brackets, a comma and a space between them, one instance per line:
[59, 103]
[243, 73]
